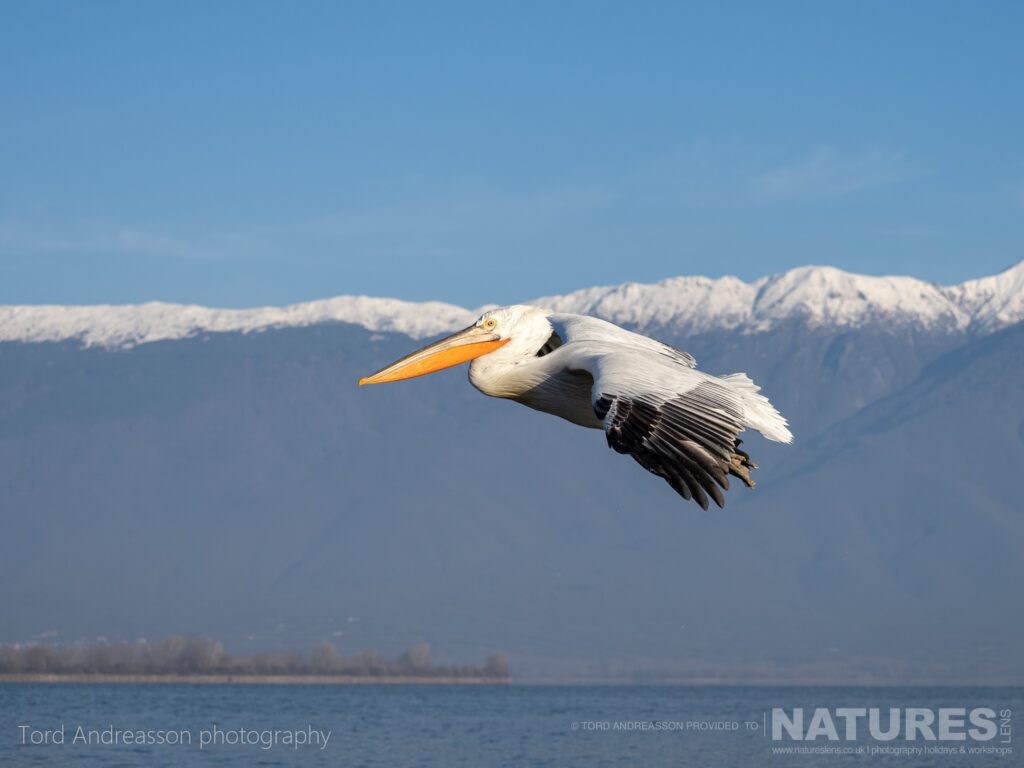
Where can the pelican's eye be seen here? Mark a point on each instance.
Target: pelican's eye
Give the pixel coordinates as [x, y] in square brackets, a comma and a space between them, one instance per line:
[490, 324]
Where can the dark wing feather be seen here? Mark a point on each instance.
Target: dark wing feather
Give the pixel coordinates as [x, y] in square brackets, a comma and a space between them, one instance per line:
[690, 439]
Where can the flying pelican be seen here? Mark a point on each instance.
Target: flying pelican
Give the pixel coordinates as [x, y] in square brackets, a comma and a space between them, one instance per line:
[652, 403]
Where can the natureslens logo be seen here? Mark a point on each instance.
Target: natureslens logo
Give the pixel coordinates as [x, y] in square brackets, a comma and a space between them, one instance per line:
[979, 724]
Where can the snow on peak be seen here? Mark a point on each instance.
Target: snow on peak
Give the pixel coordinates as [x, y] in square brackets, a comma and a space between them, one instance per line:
[992, 302]
[130, 324]
[693, 303]
[826, 296]
[819, 296]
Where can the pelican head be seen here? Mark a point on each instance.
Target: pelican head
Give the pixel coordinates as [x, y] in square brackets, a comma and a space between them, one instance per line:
[505, 335]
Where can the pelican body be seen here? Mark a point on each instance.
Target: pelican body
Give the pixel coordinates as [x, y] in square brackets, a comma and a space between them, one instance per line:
[652, 403]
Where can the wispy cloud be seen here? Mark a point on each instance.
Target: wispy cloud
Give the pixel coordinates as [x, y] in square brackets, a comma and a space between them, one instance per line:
[428, 222]
[826, 172]
[93, 240]
[453, 222]
[463, 210]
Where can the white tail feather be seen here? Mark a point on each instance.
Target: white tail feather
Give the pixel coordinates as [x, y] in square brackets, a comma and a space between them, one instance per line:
[760, 414]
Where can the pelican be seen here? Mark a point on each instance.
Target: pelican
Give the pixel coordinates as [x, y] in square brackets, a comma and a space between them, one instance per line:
[651, 401]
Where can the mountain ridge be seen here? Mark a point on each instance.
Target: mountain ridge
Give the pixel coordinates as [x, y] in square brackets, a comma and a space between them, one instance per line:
[818, 295]
[254, 493]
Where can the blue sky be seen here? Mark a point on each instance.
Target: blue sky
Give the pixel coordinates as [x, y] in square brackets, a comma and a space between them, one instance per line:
[247, 153]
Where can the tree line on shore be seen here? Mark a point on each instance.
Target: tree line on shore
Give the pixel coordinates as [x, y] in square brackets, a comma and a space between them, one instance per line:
[178, 655]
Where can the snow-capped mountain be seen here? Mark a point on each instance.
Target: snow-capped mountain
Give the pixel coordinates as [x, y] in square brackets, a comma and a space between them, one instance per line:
[241, 485]
[130, 324]
[820, 296]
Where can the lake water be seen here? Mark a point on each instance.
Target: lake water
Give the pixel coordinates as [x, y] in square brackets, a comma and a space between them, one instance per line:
[451, 726]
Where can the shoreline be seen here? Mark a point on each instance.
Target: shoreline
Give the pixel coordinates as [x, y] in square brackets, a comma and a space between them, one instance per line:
[223, 679]
[694, 682]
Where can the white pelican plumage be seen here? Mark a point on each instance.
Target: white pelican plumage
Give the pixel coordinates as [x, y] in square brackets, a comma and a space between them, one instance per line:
[652, 403]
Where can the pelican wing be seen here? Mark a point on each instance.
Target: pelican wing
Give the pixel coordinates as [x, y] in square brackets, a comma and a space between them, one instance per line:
[676, 422]
[688, 438]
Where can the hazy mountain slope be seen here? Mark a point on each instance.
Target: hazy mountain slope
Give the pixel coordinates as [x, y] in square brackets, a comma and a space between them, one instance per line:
[240, 485]
[913, 510]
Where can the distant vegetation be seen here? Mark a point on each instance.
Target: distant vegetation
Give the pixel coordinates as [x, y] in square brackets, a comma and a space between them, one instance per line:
[178, 655]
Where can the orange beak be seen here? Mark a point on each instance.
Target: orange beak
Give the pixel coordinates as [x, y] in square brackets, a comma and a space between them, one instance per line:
[458, 348]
